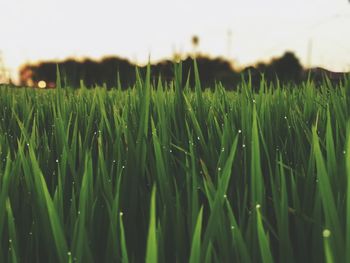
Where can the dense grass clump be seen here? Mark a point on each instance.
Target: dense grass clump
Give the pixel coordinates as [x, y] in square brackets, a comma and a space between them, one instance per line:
[168, 173]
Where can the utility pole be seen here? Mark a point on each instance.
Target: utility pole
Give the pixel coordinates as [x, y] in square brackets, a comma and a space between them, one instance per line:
[229, 43]
[309, 53]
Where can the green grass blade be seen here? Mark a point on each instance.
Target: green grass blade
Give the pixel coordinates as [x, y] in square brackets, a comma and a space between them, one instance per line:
[152, 245]
[12, 233]
[195, 256]
[264, 244]
[327, 196]
[347, 226]
[125, 258]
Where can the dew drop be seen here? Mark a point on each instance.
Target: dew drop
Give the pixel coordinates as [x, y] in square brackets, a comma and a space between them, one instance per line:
[326, 233]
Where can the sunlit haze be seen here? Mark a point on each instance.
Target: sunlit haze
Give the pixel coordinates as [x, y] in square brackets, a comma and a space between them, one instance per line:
[243, 31]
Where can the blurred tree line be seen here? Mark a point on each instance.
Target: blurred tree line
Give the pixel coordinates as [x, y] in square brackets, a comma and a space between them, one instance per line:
[112, 71]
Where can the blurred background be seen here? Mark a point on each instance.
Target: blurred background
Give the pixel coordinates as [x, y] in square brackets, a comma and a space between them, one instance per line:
[228, 36]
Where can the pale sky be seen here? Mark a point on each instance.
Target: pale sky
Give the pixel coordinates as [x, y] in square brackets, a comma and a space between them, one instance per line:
[32, 30]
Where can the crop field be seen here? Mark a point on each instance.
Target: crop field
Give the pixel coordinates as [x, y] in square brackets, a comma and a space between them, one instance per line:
[171, 173]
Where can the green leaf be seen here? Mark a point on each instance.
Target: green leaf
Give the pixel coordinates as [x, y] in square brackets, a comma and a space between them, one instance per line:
[152, 246]
[195, 256]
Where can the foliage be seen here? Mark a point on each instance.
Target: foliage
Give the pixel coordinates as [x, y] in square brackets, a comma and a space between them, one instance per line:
[164, 173]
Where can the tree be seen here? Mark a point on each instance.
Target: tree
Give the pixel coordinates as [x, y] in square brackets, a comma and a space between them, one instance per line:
[286, 68]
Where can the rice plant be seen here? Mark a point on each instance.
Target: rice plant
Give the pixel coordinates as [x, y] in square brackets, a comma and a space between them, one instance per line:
[173, 173]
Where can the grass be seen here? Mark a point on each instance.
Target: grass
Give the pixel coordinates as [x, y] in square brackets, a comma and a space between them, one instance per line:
[167, 173]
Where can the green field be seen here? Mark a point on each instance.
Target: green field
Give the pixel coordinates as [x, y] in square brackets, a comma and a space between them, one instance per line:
[171, 173]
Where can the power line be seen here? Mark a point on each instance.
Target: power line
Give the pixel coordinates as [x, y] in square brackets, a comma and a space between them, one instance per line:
[308, 30]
